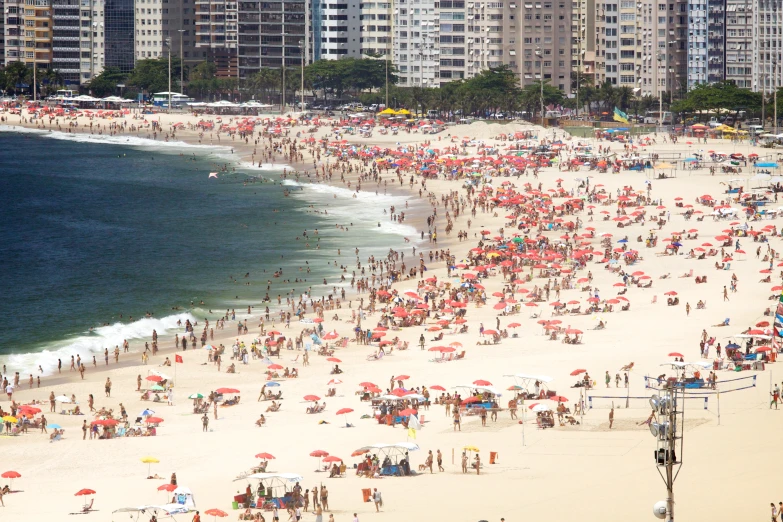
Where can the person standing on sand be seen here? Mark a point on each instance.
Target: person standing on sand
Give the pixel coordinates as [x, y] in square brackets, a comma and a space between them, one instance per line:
[214, 410]
[775, 394]
[138, 382]
[378, 499]
[84, 430]
[429, 461]
[51, 402]
[205, 423]
[456, 419]
[107, 386]
[43, 424]
[464, 462]
[325, 498]
[608, 378]
[319, 514]
[611, 417]
[725, 293]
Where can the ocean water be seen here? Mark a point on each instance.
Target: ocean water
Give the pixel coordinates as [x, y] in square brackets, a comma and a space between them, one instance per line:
[96, 230]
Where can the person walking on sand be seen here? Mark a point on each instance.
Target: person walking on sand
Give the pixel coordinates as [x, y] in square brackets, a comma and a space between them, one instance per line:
[378, 499]
[687, 309]
[611, 417]
[440, 461]
[725, 293]
[775, 394]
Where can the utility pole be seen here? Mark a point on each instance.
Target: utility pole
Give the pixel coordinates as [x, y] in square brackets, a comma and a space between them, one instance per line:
[763, 97]
[775, 93]
[282, 69]
[387, 78]
[168, 44]
[578, 58]
[301, 53]
[668, 430]
[181, 61]
[540, 55]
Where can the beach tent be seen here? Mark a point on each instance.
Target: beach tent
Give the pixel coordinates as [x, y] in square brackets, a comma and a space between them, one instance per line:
[184, 497]
[274, 480]
[398, 449]
[167, 510]
[409, 396]
[525, 380]
[481, 389]
[279, 478]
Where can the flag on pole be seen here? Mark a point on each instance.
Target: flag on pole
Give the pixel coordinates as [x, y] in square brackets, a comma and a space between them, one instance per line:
[413, 422]
[178, 358]
[411, 433]
[620, 116]
[777, 326]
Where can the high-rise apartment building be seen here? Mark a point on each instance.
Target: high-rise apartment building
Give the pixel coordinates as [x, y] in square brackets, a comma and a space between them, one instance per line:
[28, 32]
[376, 28]
[664, 65]
[340, 28]
[149, 39]
[583, 42]
[546, 42]
[216, 35]
[739, 42]
[78, 39]
[416, 40]
[619, 25]
[768, 46]
[119, 34]
[698, 34]
[272, 35]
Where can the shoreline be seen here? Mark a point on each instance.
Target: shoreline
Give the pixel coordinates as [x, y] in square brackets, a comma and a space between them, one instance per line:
[415, 218]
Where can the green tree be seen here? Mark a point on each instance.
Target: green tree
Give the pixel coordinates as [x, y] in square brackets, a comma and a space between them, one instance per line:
[152, 75]
[105, 84]
[15, 74]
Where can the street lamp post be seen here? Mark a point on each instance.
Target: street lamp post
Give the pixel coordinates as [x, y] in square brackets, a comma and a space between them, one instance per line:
[301, 54]
[181, 61]
[282, 68]
[168, 44]
[540, 56]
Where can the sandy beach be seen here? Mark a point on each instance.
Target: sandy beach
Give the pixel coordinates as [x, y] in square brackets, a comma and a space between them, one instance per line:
[589, 470]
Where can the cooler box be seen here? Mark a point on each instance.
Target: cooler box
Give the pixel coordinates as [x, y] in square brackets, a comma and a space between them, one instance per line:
[235, 505]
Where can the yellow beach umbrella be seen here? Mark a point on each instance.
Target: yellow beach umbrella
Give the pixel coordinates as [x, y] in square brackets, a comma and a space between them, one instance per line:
[149, 461]
[9, 418]
[403, 112]
[388, 110]
[470, 448]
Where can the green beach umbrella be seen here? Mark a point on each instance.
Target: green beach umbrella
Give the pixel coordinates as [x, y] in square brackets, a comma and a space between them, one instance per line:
[157, 387]
[195, 396]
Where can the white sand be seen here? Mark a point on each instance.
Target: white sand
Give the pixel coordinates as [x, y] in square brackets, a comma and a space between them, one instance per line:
[588, 473]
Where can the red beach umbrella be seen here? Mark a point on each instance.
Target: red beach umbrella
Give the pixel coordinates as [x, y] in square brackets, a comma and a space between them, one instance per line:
[265, 456]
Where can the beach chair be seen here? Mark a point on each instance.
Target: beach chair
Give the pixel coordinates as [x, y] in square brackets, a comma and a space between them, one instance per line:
[460, 356]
